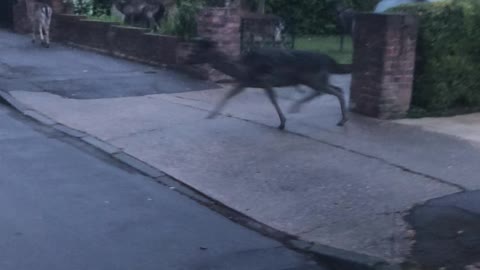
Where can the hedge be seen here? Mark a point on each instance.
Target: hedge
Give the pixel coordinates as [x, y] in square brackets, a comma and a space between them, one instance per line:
[447, 76]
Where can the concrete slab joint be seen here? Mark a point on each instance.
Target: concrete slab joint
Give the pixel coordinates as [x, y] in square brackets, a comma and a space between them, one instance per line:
[39, 117]
[139, 165]
[100, 145]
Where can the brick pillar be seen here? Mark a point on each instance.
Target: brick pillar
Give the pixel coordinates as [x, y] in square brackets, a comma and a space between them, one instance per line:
[21, 23]
[57, 6]
[383, 64]
[221, 25]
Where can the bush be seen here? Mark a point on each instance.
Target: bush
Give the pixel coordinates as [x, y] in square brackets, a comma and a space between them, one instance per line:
[447, 76]
[182, 20]
[83, 7]
[102, 6]
[96, 8]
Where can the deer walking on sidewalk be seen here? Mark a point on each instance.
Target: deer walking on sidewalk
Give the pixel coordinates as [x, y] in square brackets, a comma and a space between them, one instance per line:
[40, 16]
[269, 68]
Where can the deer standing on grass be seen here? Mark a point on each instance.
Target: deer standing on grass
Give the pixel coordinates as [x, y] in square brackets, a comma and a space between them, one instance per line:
[269, 68]
[344, 21]
[40, 16]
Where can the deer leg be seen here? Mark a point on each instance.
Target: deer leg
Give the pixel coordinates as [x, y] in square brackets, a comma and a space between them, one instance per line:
[342, 36]
[47, 36]
[46, 26]
[235, 91]
[318, 83]
[272, 96]
[297, 105]
[34, 29]
[40, 30]
[153, 25]
[128, 20]
[337, 91]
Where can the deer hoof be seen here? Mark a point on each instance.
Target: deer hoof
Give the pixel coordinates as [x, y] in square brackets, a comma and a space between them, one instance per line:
[281, 127]
[342, 122]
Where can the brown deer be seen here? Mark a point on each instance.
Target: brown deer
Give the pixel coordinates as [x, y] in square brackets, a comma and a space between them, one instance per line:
[344, 21]
[269, 68]
[40, 16]
[151, 10]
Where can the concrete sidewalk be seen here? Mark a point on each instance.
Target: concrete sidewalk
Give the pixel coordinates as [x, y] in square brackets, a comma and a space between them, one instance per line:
[347, 188]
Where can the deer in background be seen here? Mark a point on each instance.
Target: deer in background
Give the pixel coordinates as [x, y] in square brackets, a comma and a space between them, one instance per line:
[269, 68]
[151, 10]
[40, 16]
[345, 21]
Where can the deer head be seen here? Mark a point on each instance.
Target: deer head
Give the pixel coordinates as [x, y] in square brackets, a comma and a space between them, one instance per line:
[203, 51]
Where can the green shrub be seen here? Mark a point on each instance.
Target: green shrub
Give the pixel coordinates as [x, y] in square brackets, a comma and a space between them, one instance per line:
[102, 6]
[83, 7]
[181, 21]
[447, 76]
[106, 18]
[96, 8]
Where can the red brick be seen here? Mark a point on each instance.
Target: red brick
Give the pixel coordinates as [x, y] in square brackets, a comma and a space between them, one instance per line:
[384, 60]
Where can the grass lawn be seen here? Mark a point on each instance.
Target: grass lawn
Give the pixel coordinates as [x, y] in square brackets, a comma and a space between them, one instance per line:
[106, 18]
[327, 44]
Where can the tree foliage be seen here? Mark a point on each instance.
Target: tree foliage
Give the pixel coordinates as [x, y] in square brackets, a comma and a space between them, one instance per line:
[447, 76]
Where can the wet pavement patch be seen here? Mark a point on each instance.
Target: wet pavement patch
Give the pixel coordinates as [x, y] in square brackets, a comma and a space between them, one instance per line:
[115, 86]
[447, 232]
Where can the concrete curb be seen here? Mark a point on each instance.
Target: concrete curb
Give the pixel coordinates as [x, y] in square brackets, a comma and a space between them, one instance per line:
[335, 258]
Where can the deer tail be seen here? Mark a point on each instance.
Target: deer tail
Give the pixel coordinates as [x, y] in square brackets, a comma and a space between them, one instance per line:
[47, 11]
[337, 68]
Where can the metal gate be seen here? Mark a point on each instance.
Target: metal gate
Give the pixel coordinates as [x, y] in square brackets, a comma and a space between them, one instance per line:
[6, 12]
[260, 31]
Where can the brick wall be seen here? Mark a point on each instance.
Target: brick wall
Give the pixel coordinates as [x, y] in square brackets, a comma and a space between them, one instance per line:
[57, 6]
[125, 42]
[383, 64]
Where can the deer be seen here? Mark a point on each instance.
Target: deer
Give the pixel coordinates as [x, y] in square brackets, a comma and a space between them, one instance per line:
[267, 68]
[344, 21]
[152, 10]
[39, 15]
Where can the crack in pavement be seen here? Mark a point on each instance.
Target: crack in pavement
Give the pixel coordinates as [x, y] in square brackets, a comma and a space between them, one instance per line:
[353, 151]
[132, 134]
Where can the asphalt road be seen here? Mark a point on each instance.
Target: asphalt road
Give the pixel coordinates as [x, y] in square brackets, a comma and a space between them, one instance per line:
[81, 74]
[65, 206]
